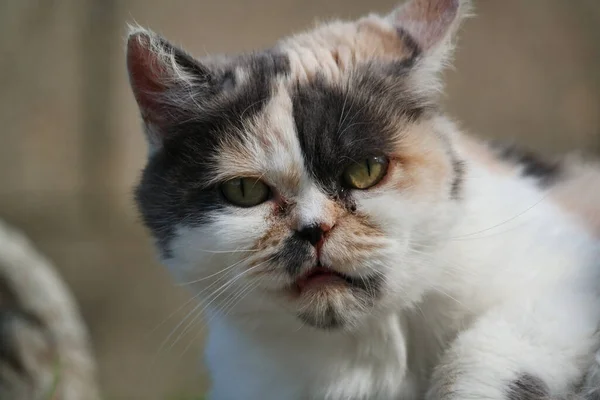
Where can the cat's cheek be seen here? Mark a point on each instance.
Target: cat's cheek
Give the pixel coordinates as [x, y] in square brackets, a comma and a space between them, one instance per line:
[197, 251]
[187, 260]
[389, 210]
[274, 283]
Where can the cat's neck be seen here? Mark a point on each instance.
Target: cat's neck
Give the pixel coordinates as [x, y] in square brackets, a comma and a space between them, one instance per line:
[506, 236]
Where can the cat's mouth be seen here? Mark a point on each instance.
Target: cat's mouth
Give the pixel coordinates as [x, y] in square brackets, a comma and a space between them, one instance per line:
[321, 277]
[328, 299]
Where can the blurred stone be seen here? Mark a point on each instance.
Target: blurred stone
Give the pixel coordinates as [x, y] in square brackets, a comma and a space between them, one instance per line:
[44, 348]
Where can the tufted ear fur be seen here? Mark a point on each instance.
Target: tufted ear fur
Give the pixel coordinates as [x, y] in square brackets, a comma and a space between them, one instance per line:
[165, 80]
[432, 25]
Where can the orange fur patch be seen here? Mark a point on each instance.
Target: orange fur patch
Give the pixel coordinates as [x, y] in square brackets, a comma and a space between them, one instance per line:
[333, 49]
[578, 193]
[424, 167]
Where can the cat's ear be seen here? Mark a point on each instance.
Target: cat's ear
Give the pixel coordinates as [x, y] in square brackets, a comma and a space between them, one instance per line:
[432, 25]
[164, 79]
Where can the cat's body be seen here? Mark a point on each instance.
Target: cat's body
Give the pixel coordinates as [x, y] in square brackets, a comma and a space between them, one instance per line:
[349, 242]
[283, 360]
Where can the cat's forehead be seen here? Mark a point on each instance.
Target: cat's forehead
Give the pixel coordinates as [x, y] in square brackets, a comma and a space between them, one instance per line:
[309, 130]
[333, 50]
[329, 51]
[312, 104]
[266, 144]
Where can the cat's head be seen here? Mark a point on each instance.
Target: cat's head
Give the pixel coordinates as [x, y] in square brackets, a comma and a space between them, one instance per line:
[310, 178]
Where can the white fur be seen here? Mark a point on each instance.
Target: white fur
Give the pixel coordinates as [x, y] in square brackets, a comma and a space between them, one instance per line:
[511, 288]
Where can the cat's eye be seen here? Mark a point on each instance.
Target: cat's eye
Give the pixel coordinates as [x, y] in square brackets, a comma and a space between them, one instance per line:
[366, 173]
[245, 192]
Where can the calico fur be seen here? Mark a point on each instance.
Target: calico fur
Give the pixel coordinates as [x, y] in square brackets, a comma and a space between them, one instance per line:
[468, 272]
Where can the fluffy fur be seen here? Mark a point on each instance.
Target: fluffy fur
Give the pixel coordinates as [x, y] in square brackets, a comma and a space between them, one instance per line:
[469, 272]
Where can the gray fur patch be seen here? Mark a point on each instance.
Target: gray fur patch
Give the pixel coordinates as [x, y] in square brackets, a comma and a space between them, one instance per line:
[169, 192]
[533, 166]
[528, 387]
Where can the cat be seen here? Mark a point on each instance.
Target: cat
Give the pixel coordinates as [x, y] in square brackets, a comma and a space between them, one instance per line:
[347, 240]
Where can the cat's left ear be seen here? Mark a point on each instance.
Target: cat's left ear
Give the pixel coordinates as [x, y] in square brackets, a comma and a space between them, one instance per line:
[165, 80]
[432, 25]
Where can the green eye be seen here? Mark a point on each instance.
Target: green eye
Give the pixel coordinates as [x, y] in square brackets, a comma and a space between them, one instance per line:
[245, 192]
[365, 174]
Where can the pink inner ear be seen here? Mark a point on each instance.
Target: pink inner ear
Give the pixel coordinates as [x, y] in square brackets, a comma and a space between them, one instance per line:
[427, 21]
[146, 73]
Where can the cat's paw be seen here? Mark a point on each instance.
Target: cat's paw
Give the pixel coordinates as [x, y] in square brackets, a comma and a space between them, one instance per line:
[525, 387]
[531, 352]
[469, 371]
[489, 364]
[451, 383]
[455, 381]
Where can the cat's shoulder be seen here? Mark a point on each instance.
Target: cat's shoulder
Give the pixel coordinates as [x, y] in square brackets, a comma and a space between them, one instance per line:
[570, 181]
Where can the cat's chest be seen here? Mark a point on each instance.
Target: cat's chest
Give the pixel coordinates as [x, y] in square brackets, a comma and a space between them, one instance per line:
[375, 369]
[322, 366]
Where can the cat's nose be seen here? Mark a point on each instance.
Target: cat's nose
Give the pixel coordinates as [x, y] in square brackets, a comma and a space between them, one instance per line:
[313, 234]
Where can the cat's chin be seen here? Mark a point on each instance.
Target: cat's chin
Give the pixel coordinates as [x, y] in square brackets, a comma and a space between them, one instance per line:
[328, 299]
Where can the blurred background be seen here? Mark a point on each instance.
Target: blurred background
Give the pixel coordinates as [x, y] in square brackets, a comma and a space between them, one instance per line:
[71, 144]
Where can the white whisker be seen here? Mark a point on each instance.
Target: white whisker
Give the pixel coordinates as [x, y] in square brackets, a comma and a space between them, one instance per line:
[211, 275]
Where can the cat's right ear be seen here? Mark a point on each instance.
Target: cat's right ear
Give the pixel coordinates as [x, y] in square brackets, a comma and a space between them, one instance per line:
[432, 27]
[164, 79]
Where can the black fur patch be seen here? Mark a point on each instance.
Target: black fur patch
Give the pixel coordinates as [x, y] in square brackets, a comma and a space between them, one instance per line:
[411, 44]
[339, 125]
[458, 167]
[169, 193]
[593, 396]
[528, 387]
[534, 166]
[294, 255]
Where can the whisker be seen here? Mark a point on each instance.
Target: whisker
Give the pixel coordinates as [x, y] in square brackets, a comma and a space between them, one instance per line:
[354, 124]
[245, 292]
[226, 308]
[194, 297]
[162, 345]
[442, 263]
[342, 120]
[492, 234]
[504, 222]
[241, 117]
[228, 251]
[229, 304]
[211, 275]
[213, 296]
[165, 341]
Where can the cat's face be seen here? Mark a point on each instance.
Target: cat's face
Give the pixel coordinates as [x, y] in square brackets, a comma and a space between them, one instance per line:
[310, 178]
